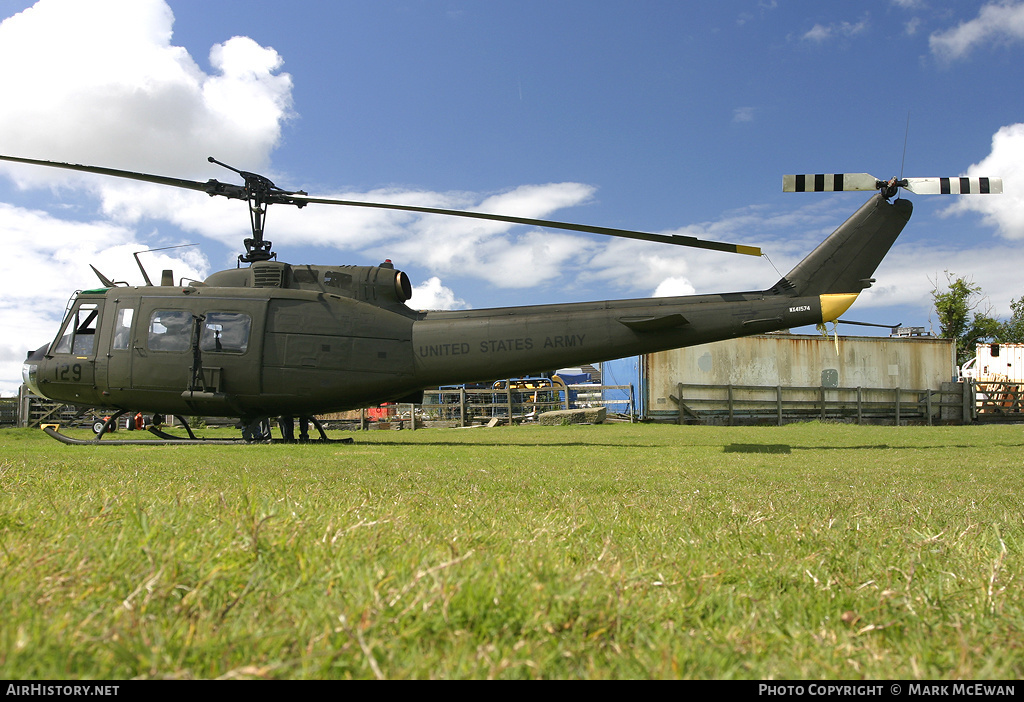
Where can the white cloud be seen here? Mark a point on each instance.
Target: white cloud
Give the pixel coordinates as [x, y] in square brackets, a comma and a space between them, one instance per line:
[763, 7]
[432, 295]
[636, 269]
[1006, 160]
[492, 250]
[674, 287]
[823, 32]
[818, 32]
[743, 114]
[478, 248]
[997, 22]
[100, 82]
[909, 273]
[534, 258]
[537, 200]
[639, 267]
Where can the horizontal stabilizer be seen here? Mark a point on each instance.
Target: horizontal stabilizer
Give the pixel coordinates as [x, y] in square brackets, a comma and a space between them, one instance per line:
[651, 324]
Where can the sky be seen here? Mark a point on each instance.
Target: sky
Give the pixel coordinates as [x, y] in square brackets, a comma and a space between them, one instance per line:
[660, 116]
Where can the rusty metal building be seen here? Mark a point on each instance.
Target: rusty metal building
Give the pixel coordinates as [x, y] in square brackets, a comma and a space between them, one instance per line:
[791, 377]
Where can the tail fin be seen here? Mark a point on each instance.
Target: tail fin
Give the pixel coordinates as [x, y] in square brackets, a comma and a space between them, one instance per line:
[846, 260]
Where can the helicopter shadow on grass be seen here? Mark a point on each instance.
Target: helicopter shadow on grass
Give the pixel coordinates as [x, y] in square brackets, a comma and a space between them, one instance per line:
[727, 448]
[786, 448]
[523, 444]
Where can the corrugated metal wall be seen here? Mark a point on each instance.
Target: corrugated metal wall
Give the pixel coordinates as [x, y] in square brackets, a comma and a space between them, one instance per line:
[792, 360]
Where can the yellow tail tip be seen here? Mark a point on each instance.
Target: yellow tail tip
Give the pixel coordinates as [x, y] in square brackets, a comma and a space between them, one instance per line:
[832, 306]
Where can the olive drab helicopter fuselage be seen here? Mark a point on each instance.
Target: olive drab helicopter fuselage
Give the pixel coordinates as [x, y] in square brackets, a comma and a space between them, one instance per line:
[279, 340]
[275, 339]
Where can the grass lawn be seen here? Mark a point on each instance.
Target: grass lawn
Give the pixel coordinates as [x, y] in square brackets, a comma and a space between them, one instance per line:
[615, 551]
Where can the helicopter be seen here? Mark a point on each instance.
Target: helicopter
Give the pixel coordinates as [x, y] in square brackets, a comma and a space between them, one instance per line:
[276, 340]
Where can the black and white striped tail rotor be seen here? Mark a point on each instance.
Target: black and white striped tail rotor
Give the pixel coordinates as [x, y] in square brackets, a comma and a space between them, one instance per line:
[954, 186]
[841, 182]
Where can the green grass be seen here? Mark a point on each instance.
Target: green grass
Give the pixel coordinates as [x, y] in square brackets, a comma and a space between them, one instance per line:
[618, 551]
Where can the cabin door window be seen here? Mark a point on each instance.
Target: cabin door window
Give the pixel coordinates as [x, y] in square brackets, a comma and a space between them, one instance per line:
[169, 330]
[123, 329]
[226, 332]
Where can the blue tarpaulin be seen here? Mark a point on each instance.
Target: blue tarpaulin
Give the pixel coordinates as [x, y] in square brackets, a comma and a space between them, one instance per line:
[622, 371]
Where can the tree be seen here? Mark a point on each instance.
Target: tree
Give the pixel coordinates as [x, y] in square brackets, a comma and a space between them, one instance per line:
[954, 307]
[1012, 330]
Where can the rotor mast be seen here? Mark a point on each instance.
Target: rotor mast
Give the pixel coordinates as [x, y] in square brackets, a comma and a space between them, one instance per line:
[260, 191]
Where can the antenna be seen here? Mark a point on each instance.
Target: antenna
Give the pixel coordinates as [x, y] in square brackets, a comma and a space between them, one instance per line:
[906, 134]
[163, 248]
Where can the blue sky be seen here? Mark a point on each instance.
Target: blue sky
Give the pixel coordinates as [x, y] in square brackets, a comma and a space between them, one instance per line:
[660, 116]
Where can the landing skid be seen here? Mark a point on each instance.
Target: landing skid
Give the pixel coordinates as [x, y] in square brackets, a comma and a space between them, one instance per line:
[63, 438]
[165, 439]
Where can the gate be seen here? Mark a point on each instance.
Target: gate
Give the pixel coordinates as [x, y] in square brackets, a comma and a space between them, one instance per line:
[999, 401]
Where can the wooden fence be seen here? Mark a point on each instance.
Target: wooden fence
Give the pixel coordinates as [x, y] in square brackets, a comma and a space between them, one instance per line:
[462, 406]
[954, 403]
[33, 411]
[472, 406]
[468, 406]
[754, 404]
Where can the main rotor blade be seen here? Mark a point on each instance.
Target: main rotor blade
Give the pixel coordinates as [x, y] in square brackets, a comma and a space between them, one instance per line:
[211, 187]
[215, 187]
[608, 231]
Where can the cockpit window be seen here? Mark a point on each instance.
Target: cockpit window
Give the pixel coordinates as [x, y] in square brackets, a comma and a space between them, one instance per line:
[225, 331]
[79, 335]
[170, 330]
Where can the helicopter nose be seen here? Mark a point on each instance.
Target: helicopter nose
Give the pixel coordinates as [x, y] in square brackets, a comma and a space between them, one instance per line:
[30, 370]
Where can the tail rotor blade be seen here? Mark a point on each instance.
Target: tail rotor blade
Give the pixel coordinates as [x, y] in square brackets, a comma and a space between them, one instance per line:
[828, 182]
[840, 182]
[955, 186]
